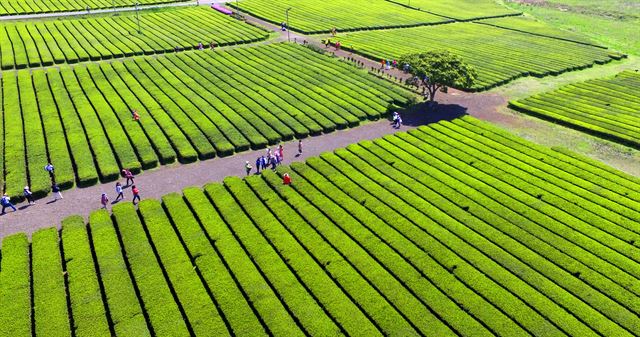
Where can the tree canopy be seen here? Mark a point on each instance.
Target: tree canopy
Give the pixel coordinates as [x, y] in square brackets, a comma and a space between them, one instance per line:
[438, 69]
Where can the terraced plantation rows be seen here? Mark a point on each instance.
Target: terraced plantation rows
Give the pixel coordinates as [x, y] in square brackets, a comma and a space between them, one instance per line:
[453, 229]
[13, 7]
[499, 55]
[527, 24]
[193, 105]
[315, 16]
[461, 10]
[43, 43]
[609, 107]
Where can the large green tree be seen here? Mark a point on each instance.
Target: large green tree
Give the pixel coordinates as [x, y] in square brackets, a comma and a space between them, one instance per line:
[439, 69]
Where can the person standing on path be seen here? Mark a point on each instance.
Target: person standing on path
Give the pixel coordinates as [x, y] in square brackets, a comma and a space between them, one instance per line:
[29, 195]
[129, 176]
[299, 147]
[281, 152]
[104, 200]
[6, 202]
[136, 194]
[49, 168]
[119, 192]
[56, 192]
[247, 167]
[258, 164]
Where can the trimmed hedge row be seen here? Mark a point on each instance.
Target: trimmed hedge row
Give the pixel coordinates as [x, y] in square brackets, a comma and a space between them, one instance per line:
[49, 297]
[161, 308]
[125, 311]
[191, 105]
[456, 228]
[261, 295]
[607, 108]
[217, 277]
[15, 291]
[89, 313]
[105, 37]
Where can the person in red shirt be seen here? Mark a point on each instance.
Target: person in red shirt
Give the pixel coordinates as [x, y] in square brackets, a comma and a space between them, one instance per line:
[286, 179]
[136, 194]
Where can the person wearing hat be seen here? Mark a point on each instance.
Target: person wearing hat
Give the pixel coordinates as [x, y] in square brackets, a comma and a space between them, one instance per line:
[247, 167]
[6, 202]
[29, 195]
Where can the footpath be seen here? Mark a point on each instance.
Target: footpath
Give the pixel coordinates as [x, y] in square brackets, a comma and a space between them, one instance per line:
[173, 178]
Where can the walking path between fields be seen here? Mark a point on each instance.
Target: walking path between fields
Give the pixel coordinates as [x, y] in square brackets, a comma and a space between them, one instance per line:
[173, 178]
[107, 10]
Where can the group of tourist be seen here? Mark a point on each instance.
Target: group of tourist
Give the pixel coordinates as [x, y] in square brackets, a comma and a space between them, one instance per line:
[135, 192]
[5, 201]
[271, 159]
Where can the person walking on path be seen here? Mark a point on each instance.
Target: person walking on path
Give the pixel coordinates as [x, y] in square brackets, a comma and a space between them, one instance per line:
[299, 148]
[136, 194]
[104, 200]
[129, 176]
[263, 162]
[29, 195]
[286, 179]
[119, 192]
[6, 202]
[56, 192]
[281, 152]
[49, 168]
[258, 164]
[247, 167]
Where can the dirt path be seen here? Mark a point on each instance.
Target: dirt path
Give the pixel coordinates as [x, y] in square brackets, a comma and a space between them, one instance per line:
[174, 178]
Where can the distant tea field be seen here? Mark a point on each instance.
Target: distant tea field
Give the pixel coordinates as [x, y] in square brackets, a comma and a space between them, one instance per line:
[317, 16]
[499, 55]
[48, 42]
[608, 107]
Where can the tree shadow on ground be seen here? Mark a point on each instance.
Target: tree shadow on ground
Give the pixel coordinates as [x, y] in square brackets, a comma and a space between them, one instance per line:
[422, 114]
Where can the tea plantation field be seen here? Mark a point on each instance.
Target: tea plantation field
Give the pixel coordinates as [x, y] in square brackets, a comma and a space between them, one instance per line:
[499, 55]
[193, 105]
[43, 43]
[460, 10]
[315, 16]
[609, 108]
[456, 228]
[13, 7]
